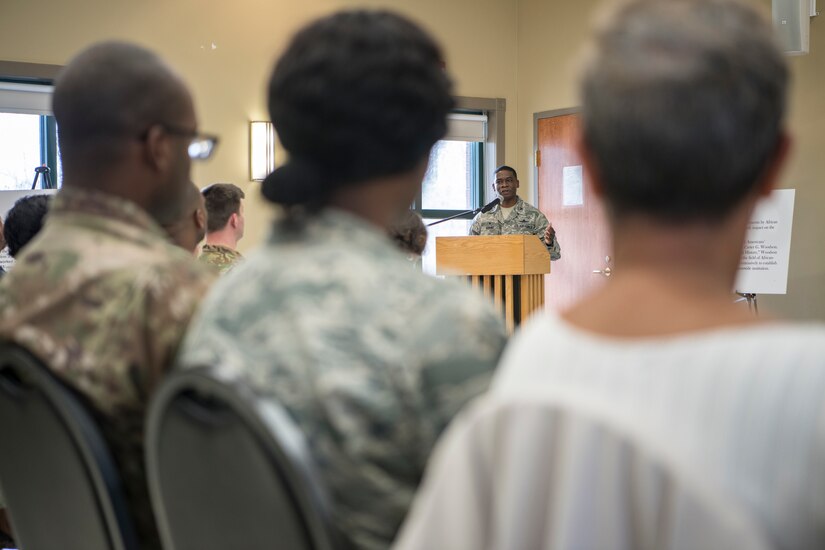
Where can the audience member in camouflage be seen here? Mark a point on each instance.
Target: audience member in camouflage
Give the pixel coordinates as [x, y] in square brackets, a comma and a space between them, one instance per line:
[188, 231]
[224, 225]
[220, 257]
[513, 216]
[100, 294]
[371, 358]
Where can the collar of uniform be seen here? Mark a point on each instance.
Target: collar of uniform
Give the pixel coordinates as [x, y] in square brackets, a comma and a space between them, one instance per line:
[499, 213]
[70, 202]
[220, 248]
[518, 204]
[334, 225]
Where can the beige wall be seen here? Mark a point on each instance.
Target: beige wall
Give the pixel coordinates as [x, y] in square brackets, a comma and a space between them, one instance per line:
[551, 33]
[229, 81]
[806, 174]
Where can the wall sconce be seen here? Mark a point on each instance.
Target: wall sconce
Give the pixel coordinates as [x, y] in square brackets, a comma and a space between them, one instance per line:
[261, 149]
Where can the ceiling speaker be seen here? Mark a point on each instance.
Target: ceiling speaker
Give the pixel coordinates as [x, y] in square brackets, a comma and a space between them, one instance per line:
[792, 19]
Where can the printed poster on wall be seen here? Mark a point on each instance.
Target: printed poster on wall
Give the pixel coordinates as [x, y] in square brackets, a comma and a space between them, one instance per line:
[572, 186]
[763, 268]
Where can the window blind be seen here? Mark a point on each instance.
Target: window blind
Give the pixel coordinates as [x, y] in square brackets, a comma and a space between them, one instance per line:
[466, 127]
[33, 99]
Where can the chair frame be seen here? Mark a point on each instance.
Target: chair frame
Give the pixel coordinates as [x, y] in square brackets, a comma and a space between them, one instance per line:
[20, 372]
[274, 431]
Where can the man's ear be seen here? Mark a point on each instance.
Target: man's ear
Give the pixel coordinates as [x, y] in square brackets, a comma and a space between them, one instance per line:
[157, 152]
[233, 220]
[590, 168]
[200, 219]
[776, 162]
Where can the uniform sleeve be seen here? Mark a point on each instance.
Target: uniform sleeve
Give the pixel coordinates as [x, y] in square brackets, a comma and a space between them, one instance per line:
[541, 226]
[554, 249]
[475, 228]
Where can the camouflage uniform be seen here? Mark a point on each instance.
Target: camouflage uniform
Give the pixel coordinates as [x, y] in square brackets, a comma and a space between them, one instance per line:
[523, 220]
[220, 257]
[103, 298]
[370, 357]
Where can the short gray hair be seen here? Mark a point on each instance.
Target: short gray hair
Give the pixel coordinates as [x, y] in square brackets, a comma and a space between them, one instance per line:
[683, 106]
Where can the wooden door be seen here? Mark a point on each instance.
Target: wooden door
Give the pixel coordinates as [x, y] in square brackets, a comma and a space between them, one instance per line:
[575, 212]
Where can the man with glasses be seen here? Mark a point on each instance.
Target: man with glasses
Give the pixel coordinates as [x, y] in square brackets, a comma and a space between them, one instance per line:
[101, 295]
[513, 216]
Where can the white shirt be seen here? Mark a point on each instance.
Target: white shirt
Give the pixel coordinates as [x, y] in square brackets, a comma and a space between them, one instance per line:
[737, 414]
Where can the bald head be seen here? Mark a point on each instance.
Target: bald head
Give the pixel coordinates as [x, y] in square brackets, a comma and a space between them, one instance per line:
[125, 121]
[110, 94]
[188, 229]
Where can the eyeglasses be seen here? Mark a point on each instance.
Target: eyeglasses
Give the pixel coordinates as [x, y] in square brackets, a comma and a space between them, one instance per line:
[508, 179]
[200, 147]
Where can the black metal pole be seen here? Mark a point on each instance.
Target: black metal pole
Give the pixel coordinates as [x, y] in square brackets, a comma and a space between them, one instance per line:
[472, 212]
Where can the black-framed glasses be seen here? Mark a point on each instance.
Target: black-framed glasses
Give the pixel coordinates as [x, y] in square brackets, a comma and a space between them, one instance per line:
[201, 145]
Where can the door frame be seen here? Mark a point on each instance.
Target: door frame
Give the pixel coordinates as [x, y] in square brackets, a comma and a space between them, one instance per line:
[536, 117]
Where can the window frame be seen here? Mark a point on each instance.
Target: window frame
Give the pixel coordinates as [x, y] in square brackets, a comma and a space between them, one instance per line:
[15, 72]
[487, 155]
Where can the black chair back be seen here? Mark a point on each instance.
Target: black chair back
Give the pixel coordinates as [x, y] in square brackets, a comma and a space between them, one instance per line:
[229, 470]
[57, 476]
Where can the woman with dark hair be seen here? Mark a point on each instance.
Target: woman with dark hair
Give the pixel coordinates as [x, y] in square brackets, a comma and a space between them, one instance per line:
[371, 358]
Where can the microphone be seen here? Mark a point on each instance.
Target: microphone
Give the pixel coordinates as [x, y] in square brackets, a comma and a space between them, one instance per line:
[487, 207]
[484, 209]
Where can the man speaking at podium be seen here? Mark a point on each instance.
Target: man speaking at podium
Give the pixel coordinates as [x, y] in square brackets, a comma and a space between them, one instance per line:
[513, 216]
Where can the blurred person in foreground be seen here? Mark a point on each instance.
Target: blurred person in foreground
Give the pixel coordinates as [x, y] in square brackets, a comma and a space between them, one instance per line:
[370, 358]
[102, 296]
[2, 246]
[187, 232]
[683, 111]
[24, 221]
[410, 235]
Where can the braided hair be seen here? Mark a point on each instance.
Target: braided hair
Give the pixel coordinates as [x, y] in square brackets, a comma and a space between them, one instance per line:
[356, 96]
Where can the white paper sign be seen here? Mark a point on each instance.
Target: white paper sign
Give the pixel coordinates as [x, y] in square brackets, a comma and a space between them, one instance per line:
[7, 200]
[572, 192]
[763, 268]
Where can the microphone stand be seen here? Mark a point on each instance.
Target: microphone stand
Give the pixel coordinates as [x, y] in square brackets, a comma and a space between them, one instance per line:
[454, 216]
[47, 181]
[486, 208]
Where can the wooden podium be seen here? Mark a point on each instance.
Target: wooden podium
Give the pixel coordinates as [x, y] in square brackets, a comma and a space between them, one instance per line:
[509, 269]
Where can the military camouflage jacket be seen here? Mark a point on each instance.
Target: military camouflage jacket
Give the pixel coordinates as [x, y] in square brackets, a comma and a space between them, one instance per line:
[220, 257]
[523, 220]
[371, 358]
[103, 299]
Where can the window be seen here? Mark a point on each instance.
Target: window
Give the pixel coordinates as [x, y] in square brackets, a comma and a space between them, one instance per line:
[456, 177]
[28, 133]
